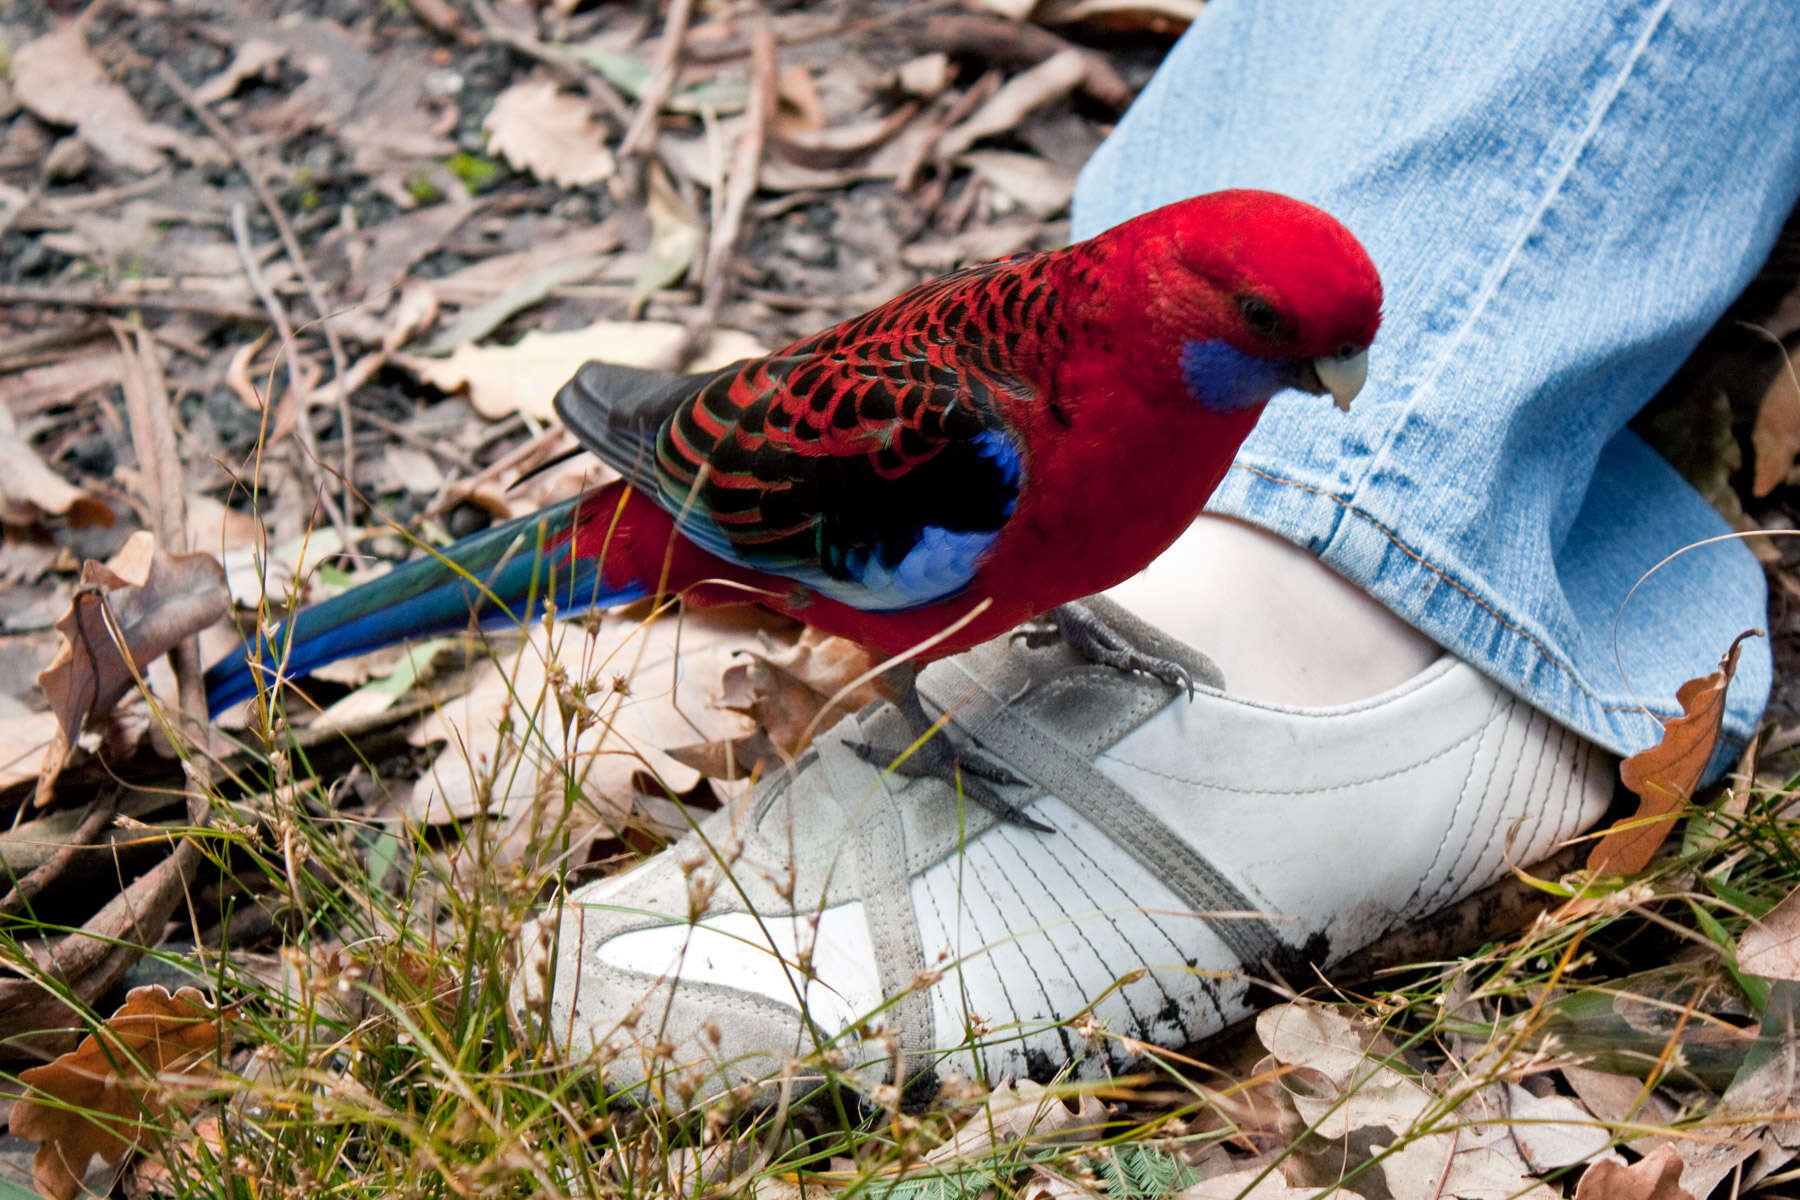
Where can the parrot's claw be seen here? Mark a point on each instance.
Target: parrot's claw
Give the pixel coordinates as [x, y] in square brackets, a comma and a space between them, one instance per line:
[974, 777]
[1088, 635]
[932, 755]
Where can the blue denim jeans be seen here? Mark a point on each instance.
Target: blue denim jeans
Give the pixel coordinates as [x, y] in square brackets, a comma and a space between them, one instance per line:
[1561, 198]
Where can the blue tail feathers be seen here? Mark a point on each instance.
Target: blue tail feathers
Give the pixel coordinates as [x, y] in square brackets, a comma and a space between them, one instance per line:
[501, 576]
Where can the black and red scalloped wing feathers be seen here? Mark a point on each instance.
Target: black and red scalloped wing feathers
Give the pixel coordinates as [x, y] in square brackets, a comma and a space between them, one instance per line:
[872, 461]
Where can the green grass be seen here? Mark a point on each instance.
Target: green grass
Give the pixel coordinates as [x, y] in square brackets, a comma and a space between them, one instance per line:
[374, 1050]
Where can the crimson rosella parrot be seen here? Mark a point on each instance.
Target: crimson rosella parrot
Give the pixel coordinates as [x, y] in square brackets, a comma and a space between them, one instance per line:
[967, 457]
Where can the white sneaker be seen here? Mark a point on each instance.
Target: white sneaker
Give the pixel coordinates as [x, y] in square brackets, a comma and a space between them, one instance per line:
[847, 918]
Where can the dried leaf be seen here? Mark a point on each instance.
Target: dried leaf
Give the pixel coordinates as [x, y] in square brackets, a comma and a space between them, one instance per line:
[1776, 435]
[380, 108]
[1343, 1086]
[23, 741]
[631, 75]
[840, 145]
[788, 689]
[411, 315]
[56, 78]
[155, 601]
[252, 574]
[29, 489]
[1754, 1117]
[1255, 1183]
[1443, 1165]
[924, 77]
[102, 1096]
[396, 244]
[576, 716]
[186, 1156]
[1657, 1177]
[1051, 79]
[1020, 1111]
[63, 382]
[1012, 10]
[480, 282]
[538, 127]
[1619, 1099]
[1552, 1131]
[1037, 185]
[792, 694]
[1771, 946]
[254, 57]
[524, 377]
[697, 159]
[1665, 775]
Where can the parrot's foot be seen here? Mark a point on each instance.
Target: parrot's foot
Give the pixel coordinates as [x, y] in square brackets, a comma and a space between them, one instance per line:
[932, 756]
[964, 772]
[1085, 632]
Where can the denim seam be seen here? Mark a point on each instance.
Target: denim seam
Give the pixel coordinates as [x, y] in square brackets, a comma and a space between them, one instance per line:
[1554, 187]
[1417, 556]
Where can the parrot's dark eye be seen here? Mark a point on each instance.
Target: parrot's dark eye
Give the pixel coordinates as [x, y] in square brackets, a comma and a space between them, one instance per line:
[1260, 316]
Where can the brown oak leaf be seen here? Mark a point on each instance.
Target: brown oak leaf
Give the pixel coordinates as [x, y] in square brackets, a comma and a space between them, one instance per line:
[1665, 776]
[1657, 1177]
[101, 1097]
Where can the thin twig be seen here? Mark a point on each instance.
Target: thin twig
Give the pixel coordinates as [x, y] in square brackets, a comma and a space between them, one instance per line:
[436, 447]
[78, 297]
[896, 15]
[309, 456]
[666, 71]
[99, 816]
[153, 441]
[746, 166]
[340, 362]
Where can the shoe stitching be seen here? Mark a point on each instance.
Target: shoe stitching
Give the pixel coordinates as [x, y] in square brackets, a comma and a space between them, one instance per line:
[1518, 795]
[1205, 887]
[951, 944]
[1239, 790]
[1417, 901]
[1491, 804]
[988, 953]
[1550, 741]
[1572, 777]
[881, 886]
[1018, 938]
[1138, 957]
[1079, 927]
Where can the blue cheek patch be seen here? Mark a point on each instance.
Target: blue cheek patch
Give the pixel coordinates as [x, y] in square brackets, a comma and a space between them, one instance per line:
[1225, 379]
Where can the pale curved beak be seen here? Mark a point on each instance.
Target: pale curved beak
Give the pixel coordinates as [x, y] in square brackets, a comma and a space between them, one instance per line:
[1343, 377]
